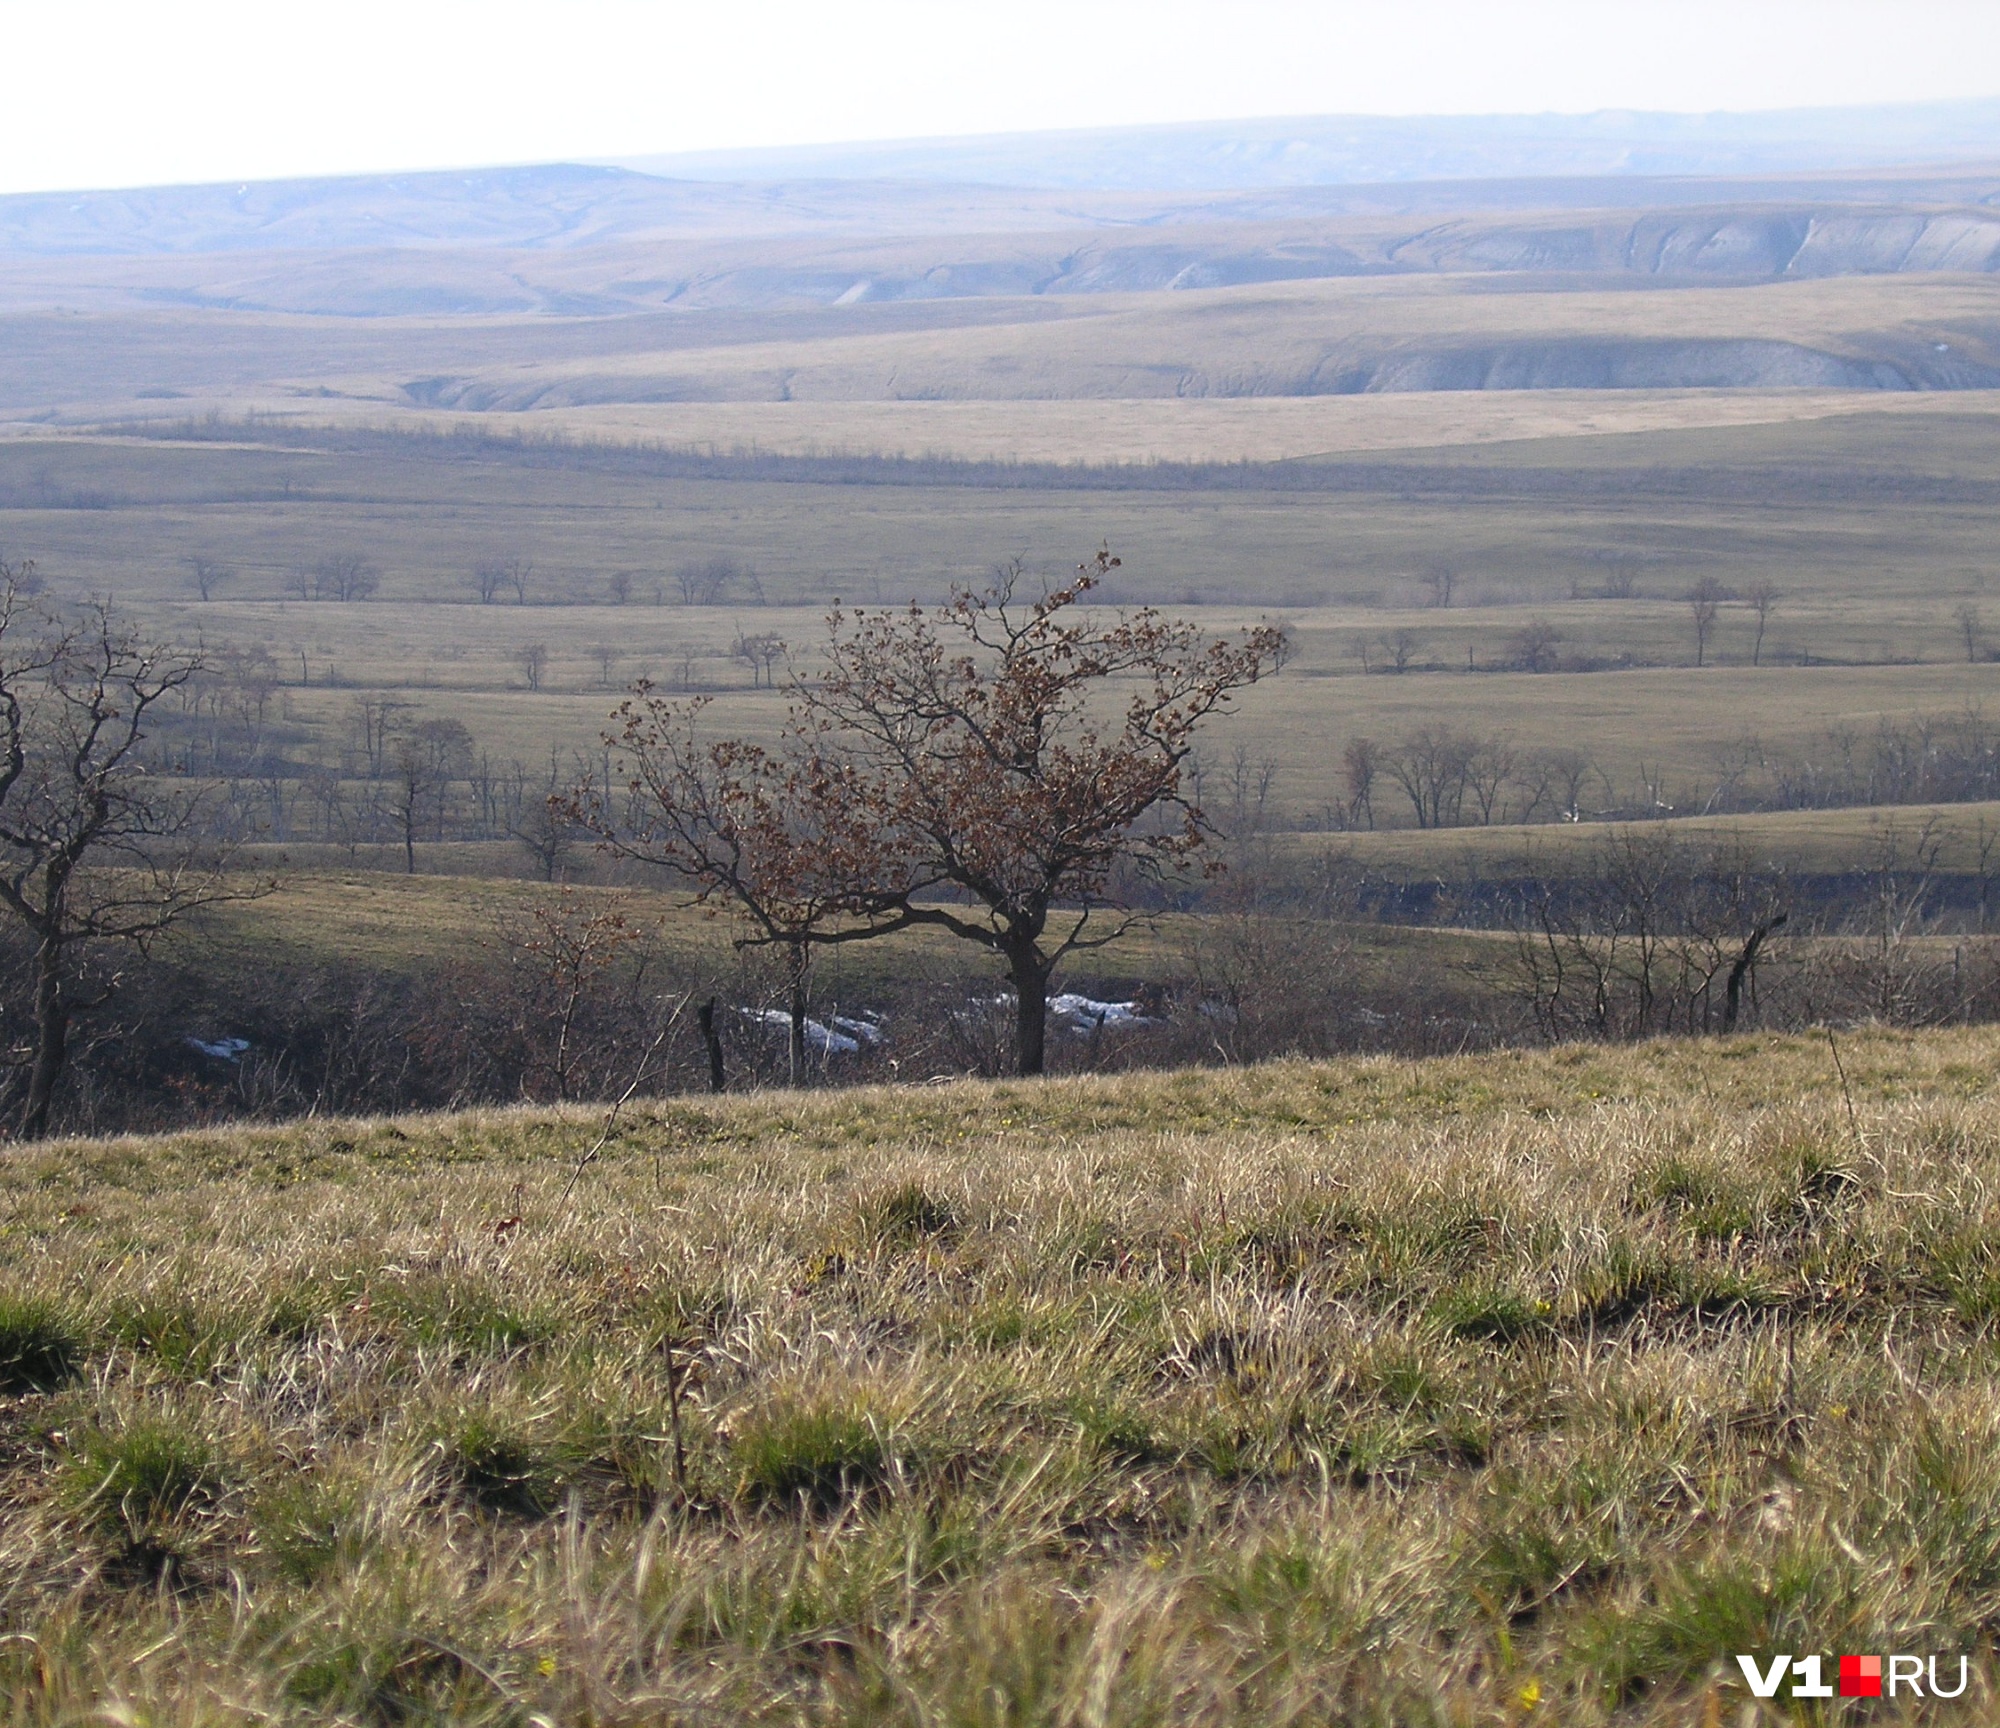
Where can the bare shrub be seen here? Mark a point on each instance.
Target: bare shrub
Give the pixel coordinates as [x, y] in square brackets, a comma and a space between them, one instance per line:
[1643, 934]
[1533, 647]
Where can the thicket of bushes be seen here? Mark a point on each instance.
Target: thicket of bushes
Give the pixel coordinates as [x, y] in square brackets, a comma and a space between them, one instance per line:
[1635, 936]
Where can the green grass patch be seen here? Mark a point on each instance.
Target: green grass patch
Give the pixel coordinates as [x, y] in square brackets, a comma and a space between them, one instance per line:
[39, 1348]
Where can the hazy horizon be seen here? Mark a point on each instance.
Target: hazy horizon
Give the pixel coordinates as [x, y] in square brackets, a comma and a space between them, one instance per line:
[1330, 149]
[121, 95]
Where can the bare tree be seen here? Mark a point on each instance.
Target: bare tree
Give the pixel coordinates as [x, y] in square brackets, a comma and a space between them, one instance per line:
[1762, 599]
[549, 826]
[1621, 581]
[344, 576]
[1704, 602]
[551, 1028]
[607, 655]
[762, 651]
[206, 575]
[95, 846]
[1360, 764]
[22, 579]
[1885, 968]
[1967, 617]
[533, 659]
[375, 718]
[1433, 766]
[1487, 772]
[1442, 581]
[1402, 647]
[249, 680]
[1566, 771]
[1632, 937]
[493, 577]
[1247, 783]
[619, 587]
[425, 761]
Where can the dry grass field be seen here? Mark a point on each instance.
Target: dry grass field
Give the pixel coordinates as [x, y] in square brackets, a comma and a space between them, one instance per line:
[1807, 841]
[1276, 339]
[1268, 340]
[1105, 431]
[1874, 528]
[1519, 1389]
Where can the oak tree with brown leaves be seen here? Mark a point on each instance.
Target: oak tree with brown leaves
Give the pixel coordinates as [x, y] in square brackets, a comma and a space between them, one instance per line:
[989, 768]
[1016, 757]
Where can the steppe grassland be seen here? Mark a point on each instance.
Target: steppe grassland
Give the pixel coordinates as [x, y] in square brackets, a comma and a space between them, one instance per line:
[1798, 840]
[1468, 1391]
[1271, 340]
[1274, 339]
[367, 916]
[1873, 576]
[1146, 429]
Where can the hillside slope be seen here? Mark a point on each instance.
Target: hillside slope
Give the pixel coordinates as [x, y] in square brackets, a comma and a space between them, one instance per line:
[750, 249]
[1374, 1391]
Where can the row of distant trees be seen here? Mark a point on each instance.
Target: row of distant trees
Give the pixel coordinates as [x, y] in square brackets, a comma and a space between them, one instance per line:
[350, 576]
[298, 783]
[1445, 776]
[295, 783]
[1539, 645]
[407, 778]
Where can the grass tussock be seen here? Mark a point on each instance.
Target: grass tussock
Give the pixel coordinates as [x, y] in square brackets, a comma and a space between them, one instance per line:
[1532, 1387]
[39, 1350]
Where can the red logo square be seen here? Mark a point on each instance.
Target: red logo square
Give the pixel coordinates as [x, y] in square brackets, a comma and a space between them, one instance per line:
[1861, 1676]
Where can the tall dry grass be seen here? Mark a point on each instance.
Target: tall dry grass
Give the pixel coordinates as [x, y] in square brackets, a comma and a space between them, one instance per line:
[1530, 1387]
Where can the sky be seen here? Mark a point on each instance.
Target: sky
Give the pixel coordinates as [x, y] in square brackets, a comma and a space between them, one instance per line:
[105, 93]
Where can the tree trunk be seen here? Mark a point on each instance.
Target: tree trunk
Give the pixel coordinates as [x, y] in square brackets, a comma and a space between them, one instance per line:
[51, 1040]
[796, 962]
[711, 1037]
[1030, 973]
[1733, 991]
